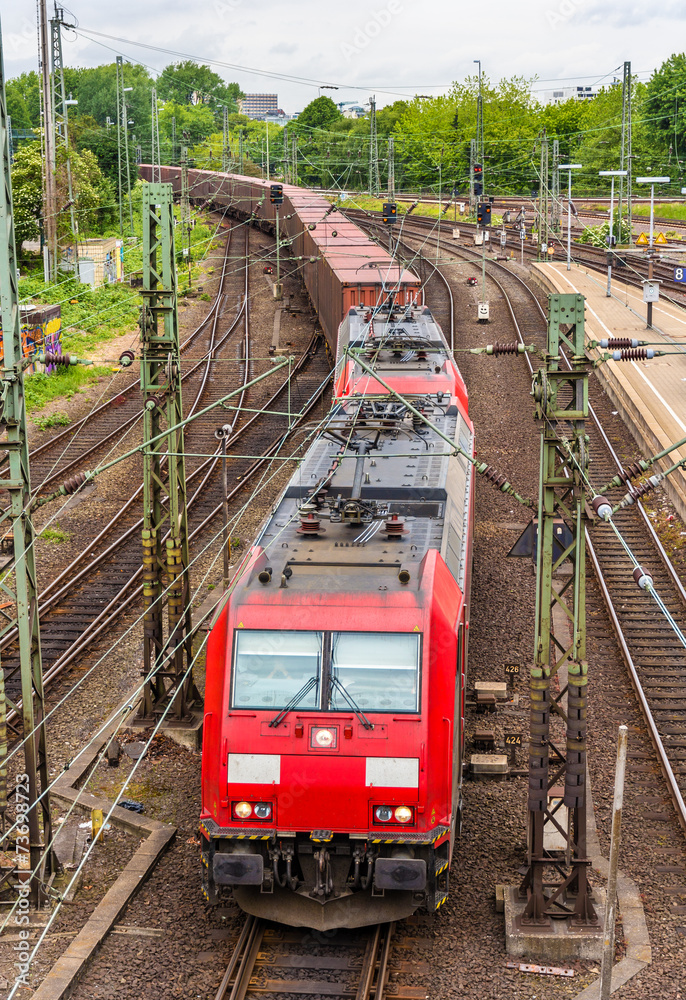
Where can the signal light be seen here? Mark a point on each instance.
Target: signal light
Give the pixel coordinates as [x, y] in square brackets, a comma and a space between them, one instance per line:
[276, 194]
[390, 211]
[478, 178]
[483, 214]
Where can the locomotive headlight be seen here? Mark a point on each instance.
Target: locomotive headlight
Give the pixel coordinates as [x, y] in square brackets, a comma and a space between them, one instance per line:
[243, 810]
[263, 810]
[383, 813]
[403, 814]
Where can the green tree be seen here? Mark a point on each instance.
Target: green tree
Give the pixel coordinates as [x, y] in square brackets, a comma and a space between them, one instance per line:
[27, 192]
[189, 82]
[194, 122]
[23, 100]
[665, 104]
[319, 113]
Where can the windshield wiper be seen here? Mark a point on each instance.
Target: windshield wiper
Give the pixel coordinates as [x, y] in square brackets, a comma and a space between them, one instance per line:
[352, 703]
[294, 702]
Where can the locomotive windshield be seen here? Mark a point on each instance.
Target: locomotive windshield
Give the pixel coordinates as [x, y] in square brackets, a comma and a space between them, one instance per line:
[271, 667]
[379, 670]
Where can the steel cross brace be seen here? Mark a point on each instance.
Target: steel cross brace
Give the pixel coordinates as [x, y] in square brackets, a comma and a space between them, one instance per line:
[562, 407]
[20, 583]
[165, 525]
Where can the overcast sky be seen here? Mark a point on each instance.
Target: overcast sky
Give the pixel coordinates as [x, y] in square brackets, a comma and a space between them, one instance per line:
[393, 48]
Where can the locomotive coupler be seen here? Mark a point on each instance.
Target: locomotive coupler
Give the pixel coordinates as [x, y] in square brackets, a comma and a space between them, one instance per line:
[323, 879]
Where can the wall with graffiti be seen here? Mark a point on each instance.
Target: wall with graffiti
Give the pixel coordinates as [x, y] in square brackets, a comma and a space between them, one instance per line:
[41, 329]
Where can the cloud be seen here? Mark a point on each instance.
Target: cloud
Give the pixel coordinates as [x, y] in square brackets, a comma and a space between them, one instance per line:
[283, 49]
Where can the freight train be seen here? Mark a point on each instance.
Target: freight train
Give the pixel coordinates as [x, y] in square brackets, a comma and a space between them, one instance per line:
[340, 266]
[335, 675]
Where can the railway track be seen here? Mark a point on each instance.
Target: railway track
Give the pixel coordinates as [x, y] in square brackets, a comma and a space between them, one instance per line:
[586, 255]
[271, 961]
[88, 598]
[654, 655]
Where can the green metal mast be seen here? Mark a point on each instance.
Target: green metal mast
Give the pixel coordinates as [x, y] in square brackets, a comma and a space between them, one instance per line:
[20, 584]
[560, 633]
[165, 526]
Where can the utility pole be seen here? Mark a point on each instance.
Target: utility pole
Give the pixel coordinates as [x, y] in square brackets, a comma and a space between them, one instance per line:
[173, 140]
[124, 123]
[60, 114]
[266, 129]
[165, 661]
[561, 399]
[294, 160]
[120, 115]
[156, 155]
[480, 150]
[240, 150]
[625, 153]
[543, 197]
[374, 180]
[49, 180]
[16, 518]
[472, 161]
[391, 168]
[185, 212]
[226, 152]
[555, 199]
[286, 172]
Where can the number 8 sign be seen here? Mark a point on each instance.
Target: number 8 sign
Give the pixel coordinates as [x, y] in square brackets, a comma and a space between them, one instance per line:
[680, 273]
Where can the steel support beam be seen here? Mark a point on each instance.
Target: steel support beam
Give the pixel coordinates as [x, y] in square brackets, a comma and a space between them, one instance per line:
[19, 583]
[167, 654]
[557, 887]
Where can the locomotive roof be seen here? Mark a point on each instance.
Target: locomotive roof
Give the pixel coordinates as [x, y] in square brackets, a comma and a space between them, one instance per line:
[375, 462]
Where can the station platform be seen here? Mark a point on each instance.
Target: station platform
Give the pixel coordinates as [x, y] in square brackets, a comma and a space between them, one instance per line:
[650, 395]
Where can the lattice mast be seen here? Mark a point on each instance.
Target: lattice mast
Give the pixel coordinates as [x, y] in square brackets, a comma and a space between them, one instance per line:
[48, 141]
[374, 179]
[156, 158]
[560, 638]
[60, 112]
[19, 585]
[625, 155]
[165, 528]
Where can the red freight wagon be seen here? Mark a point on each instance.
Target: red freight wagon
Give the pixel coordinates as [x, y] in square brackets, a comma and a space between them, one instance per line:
[342, 267]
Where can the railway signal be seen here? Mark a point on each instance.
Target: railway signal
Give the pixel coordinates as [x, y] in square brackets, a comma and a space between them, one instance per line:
[390, 212]
[276, 194]
[478, 179]
[483, 213]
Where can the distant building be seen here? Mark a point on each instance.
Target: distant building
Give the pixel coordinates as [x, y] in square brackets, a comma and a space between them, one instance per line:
[350, 109]
[258, 105]
[563, 94]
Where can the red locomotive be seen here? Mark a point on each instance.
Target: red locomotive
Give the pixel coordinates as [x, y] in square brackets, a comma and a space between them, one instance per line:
[334, 705]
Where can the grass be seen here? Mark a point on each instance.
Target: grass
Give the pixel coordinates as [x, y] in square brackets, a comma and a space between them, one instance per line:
[53, 420]
[40, 388]
[423, 208]
[674, 211]
[55, 534]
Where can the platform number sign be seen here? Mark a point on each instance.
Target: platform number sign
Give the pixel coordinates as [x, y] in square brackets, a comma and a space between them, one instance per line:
[680, 273]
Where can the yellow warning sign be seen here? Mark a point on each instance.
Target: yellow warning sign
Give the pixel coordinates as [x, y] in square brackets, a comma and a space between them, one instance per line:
[660, 239]
[642, 240]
